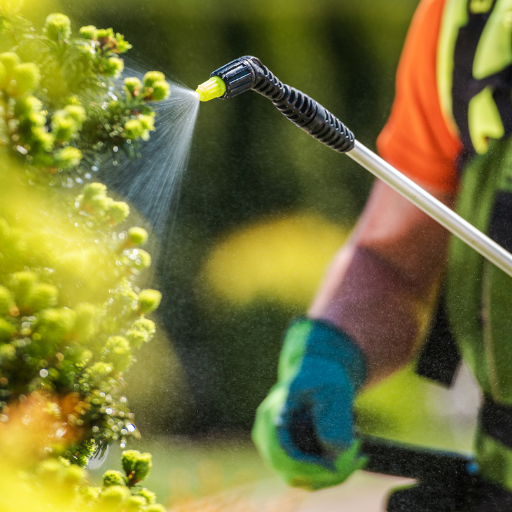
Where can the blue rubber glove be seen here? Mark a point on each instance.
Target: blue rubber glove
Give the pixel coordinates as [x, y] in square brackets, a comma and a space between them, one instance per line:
[320, 371]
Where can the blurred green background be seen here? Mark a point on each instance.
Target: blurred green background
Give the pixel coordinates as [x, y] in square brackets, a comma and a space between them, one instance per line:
[263, 207]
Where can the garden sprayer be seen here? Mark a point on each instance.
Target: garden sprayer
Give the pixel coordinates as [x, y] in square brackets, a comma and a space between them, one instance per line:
[458, 473]
[248, 73]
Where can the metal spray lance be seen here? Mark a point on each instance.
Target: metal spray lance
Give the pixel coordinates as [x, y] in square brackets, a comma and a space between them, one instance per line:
[248, 73]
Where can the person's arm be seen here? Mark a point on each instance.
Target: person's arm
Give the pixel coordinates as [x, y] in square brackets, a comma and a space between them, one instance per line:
[379, 282]
[366, 318]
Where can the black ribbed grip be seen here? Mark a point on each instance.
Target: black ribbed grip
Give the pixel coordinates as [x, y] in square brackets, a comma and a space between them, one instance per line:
[248, 73]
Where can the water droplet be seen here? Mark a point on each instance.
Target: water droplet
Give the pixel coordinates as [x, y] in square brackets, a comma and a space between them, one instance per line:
[95, 168]
[130, 427]
[109, 410]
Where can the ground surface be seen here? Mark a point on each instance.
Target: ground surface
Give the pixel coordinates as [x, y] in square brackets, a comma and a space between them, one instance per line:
[227, 475]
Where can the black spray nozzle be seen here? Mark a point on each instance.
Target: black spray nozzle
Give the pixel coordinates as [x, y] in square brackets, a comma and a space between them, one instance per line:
[240, 75]
[248, 73]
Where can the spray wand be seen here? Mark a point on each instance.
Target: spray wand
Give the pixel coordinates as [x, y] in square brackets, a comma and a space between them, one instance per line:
[248, 73]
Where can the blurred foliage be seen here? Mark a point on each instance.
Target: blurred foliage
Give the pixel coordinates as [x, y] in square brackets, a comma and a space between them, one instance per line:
[71, 312]
[263, 207]
[301, 246]
[29, 482]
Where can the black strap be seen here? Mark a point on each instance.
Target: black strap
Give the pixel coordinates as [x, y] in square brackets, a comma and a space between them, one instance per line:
[500, 229]
[496, 421]
[440, 357]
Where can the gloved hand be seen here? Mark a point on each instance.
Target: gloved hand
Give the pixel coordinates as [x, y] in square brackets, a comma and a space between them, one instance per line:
[304, 428]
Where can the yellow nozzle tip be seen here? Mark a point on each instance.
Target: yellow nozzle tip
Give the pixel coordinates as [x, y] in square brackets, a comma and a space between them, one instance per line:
[213, 88]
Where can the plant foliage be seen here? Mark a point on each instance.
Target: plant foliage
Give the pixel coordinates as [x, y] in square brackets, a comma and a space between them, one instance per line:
[72, 313]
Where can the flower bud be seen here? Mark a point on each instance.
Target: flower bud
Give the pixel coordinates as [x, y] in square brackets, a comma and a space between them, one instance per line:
[136, 465]
[114, 496]
[77, 113]
[6, 330]
[99, 372]
[161, 91]
[143, 259]
[140, 332]
[21, 285]
[7, 353]
[42, 296]
[122, 45]
[42, 140]
[57, 27]
[113, 477]
[55, 325]
[99, 204]
[149, 496]
[73, 476]
[117, 351]
[105, 33]
[148, 122]
[151, 77]
[10, 60]
[137, 236]
[118, 211]
[113, 67]
[89, 32]
[26, 106]
[73, 100]
[135, 504]
[156, 508]
[89, 494]
[64, 127]
[133, 129]
[26, 79]
[149, 300]
[85, 356]
[67, 158]
[133, 86]
[94, 189]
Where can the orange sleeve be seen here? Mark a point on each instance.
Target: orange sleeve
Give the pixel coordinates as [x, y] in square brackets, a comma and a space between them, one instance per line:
[416, 139]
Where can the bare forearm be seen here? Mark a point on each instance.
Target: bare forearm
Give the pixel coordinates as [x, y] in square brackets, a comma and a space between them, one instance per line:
[382, 280]
[375, 306]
